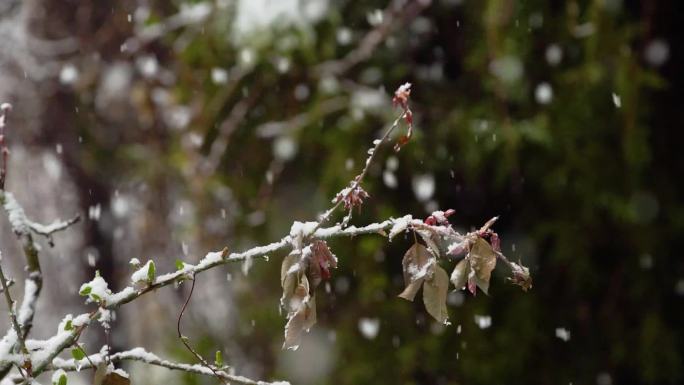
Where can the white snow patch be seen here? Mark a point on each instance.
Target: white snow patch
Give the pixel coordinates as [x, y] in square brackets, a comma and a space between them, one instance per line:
[140, 275]
[219, 75]
[369, 327]
[543, 94]
[423, 186]
[483, 321]
[563, 334]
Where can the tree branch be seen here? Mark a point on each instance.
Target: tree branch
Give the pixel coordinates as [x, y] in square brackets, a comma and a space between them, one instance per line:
[141, 355]
[13, 317]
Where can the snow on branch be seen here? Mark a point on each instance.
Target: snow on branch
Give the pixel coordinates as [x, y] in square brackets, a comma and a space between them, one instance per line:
[142, 355]
[22, 225]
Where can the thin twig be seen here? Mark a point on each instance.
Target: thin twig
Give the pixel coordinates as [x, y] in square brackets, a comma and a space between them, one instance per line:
[185, 339]
[5, 108]
[84, 352]
[48, 230]
[15, 324]
[359, 178]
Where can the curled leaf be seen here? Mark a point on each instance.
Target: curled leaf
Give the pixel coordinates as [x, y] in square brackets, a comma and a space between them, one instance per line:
[435, 294]
[416, 263]
[301, 317]
[482, 260]
[288, 261]
[293, 330]
[288, 279]
[411, 290]
[114, 378]
[431, 240]
[459, 277]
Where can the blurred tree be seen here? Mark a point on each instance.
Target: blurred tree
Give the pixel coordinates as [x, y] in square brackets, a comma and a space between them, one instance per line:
[196, 124]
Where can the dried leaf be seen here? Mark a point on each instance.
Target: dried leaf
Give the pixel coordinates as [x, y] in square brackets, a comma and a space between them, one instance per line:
[414, 263]
[100, 373]
[411, 290]
[288, 261]
[435, 294]
[482, 260]
[104, 377]
[114, 378]
[432, 243]
[310, 316]
[459, 276]
[299, 296]
[288, 279]
[301, 317]
[293, 330]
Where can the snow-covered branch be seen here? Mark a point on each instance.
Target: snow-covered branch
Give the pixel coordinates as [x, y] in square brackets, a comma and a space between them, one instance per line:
[45, 351]
[23, 226]
[141, 355]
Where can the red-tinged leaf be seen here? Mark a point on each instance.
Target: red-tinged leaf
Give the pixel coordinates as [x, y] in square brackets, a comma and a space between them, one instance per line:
[472, 286]
[322, 260]
[409, 117]
[401, 142]
[435, 294]
[495, 241]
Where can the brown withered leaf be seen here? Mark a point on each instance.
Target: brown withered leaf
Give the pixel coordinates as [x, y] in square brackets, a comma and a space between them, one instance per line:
[114, 378]
[100, 373]
[288, 261]
[414, 266]
[459, 276]
[431, 240]
[104, 377]
[301, 317]
[288, 281]
[310, 314]
[411, 290]
[293, 330]
[435, 294]
[482, 260]
[414, 261]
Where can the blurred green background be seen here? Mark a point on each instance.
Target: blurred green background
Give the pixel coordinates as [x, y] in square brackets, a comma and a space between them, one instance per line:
[195, 125]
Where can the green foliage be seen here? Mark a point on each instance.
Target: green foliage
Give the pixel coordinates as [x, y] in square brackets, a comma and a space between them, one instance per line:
[78, 353]
[584, 187]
